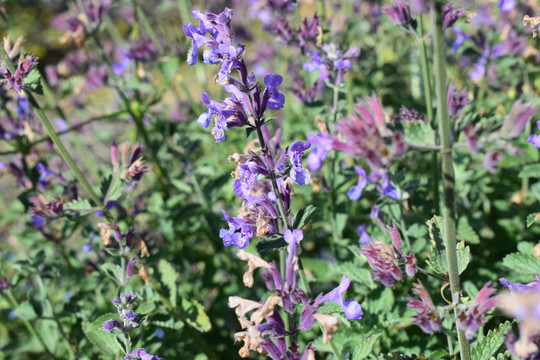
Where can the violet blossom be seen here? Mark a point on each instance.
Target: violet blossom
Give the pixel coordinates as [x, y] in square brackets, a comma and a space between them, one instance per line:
[472, 318]
[426, 316]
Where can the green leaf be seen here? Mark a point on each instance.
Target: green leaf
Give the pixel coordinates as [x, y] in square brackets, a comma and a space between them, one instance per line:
[533, 218]
[466, 232]
[419, 133]
[487, 347]
[170, 67]
[169, 278]
[79, 207]
[303, 216]
[113, 271]
[101, 339]
[25, 310]
[357, 274]
[32, 82]
[48, 331]
[196, 316]
[270, 243]
[532, 170]
[524, 263]
[437, 257]
[363, 350]
[463, 256]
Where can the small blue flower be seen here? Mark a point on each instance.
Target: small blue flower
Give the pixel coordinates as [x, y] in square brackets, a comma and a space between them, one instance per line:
[159, 333]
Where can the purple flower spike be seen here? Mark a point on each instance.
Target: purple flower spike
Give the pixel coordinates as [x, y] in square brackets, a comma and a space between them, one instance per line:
[352, 309]
[491, 159]
[383, 262]
[456, 100]
[355, 192]
[471, 319]
[451, 15]
[276, 99]
[426, 315]
[520, 114]
[399, 13]
[534, 286]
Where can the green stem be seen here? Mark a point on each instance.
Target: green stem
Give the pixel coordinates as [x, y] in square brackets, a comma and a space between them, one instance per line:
[29, 326]
[424, 64]
[449, 211]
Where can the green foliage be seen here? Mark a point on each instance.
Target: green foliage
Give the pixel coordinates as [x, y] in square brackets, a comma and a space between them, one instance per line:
[524, 263]
[437, 257]
[33, 82]
[490, 343]
[419, 133]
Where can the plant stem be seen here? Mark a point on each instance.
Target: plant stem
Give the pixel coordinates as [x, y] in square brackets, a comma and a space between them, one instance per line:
[424, 64]
[447, 169]
[29, 326]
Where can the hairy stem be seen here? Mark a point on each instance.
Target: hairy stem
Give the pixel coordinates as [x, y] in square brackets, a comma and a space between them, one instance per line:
[447, 169]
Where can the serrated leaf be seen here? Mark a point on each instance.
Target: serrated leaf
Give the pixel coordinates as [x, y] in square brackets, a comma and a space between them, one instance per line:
[532, 170]
[524, 263]
[466, 232]
[146, 307]
[79, 207]
[437, 257]
[32, 82]
[101, 339]
[363, 350]
[486, 347]
[357, 274]
[463, 256]
[270, 243]
[196, 316]
[169, 277]
[532, 218]
[303, 216]
[418, 132]
[113, 271]
[166, 321]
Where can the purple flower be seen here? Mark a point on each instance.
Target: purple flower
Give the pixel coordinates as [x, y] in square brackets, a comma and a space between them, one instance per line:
[111, 324]
[383, 262]
[491, 159]
[239, 233]
[24, 66]
[388, 189]
[426, 315]
[456, 100]
[298, 174]
[470, 320]
[399, 13]
[451, 15]
[352, 309]
[322, 143]
[140, 354]
[520, 114]
[534, 286]
[355, 192]
[276, 99]
[4, 283]
[363, 235]
[507, 5]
